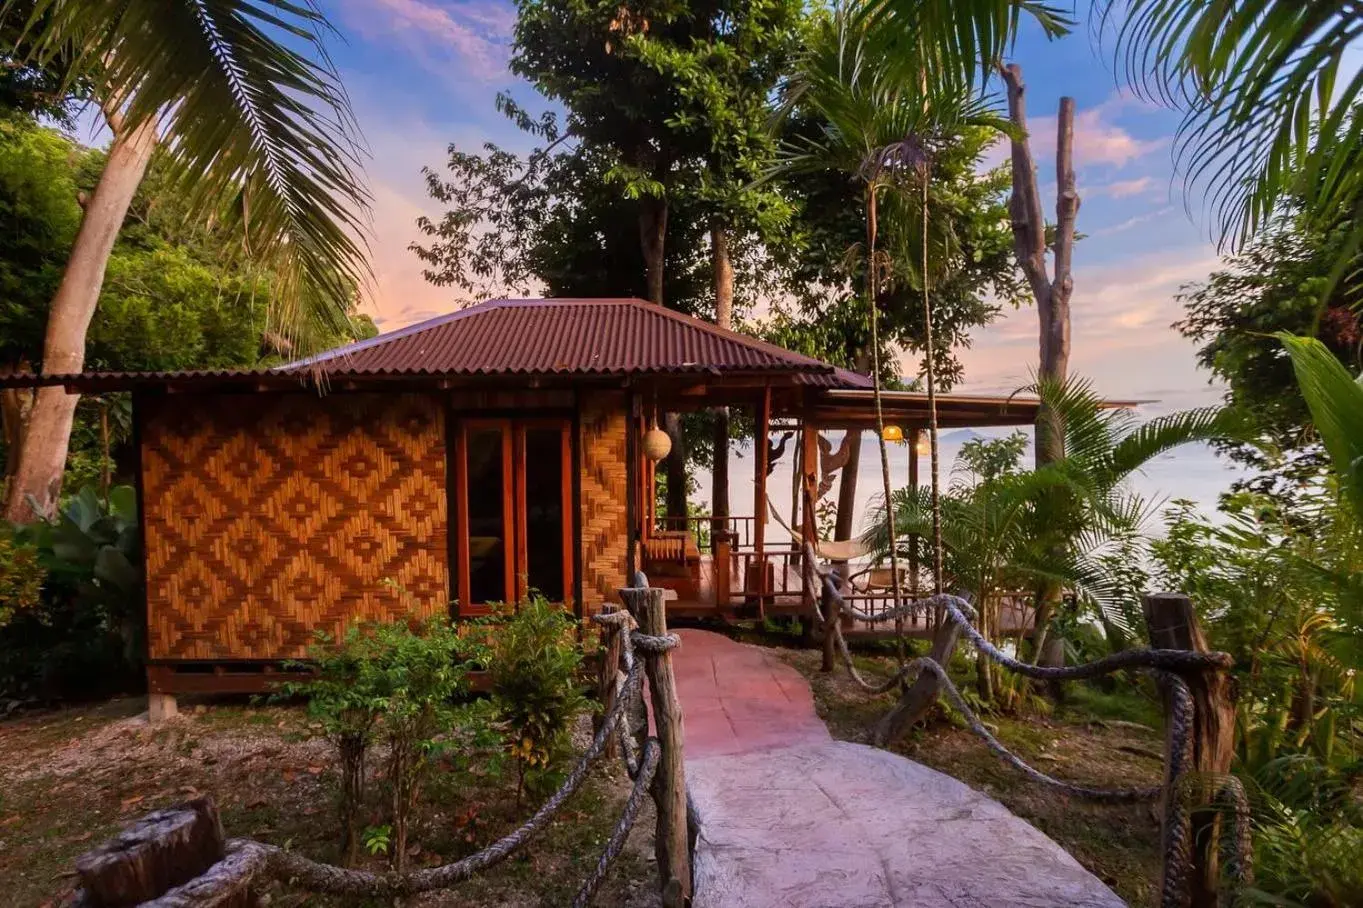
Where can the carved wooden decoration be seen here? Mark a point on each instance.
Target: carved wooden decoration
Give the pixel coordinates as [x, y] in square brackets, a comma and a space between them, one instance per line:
[830, 463]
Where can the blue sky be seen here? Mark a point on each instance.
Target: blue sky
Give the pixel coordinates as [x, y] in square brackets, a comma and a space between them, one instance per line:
[424, 73]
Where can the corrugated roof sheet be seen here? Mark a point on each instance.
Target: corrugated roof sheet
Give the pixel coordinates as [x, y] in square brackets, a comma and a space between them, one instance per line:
[571, 336]
[529, 337]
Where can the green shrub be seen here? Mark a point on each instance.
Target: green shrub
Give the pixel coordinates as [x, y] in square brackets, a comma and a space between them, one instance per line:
[535, 666]
[399, 682]
[21, 577]
[84, 634]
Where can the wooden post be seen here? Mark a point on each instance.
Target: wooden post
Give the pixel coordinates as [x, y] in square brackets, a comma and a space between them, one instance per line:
[608, 672]
[165, 849]
[760, 465]
[1172, 624]
[832, 614]
[914, 435]
[915, 702]
[724, 549]
[669, 785]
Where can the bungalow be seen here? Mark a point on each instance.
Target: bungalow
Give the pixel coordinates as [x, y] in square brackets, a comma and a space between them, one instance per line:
[467, 460]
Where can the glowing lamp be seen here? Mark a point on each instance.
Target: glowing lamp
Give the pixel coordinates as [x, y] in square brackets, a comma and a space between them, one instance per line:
[892, 433]
[924, 446]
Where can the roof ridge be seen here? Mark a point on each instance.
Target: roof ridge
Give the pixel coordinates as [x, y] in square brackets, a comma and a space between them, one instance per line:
[434, 321]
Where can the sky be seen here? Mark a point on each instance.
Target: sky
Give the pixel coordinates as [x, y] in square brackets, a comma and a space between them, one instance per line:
[423, 74]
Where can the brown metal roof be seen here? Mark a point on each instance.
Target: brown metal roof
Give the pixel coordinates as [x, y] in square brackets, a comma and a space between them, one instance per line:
[570, 337]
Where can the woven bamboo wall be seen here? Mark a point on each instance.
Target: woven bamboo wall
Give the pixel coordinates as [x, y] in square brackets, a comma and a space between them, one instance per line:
[605, 533]
[269, 517]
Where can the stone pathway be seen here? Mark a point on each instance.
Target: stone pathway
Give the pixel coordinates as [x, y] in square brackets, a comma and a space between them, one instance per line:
[789, 817]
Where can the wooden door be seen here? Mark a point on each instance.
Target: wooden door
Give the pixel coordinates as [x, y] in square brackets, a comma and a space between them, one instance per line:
[513, 511]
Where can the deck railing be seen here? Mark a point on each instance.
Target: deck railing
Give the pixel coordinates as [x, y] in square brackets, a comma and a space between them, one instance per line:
[704, 528]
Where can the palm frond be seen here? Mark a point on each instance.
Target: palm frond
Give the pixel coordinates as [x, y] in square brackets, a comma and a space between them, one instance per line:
[250, 109]
[1335, 400]
[957, 42]
[1265, 112]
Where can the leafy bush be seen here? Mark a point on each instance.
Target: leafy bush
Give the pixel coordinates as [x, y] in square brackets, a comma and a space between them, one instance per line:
[21, 576]
[397, 681]
[535, 665]
[84, 634]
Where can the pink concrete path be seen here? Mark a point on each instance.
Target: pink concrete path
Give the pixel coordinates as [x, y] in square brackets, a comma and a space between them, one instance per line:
[789, 817]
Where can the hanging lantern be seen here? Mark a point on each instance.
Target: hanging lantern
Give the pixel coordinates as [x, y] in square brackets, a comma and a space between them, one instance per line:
[924, 446]
[657, 444]
[892, 433]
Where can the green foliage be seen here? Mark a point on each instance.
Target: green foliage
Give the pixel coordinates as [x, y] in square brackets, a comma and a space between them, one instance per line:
[1266, 115]
[1276, 586]
[1335, 399]
[259, 132]
[396, 681]
[535, 664]
[86, 630]
[21, 576]
[849, 104]
[1275, 283]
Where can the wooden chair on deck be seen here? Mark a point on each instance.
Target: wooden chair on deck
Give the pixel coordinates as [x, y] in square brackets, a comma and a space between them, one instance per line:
[672, 560]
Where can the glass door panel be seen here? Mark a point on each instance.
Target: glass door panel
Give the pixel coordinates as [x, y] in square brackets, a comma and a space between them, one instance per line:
[487, 456]
[546, 492]
[513, 511]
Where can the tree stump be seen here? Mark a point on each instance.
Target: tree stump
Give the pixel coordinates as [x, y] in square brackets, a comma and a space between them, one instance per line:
[164, 849]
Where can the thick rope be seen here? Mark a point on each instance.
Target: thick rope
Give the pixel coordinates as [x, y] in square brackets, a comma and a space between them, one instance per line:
[647, 770]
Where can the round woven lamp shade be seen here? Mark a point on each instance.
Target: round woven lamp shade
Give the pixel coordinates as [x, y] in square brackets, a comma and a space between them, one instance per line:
[657, 444]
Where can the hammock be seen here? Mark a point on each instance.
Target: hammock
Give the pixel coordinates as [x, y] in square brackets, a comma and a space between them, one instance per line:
[827, 549]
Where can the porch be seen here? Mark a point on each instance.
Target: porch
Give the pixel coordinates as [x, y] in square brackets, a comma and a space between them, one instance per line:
[745, 566]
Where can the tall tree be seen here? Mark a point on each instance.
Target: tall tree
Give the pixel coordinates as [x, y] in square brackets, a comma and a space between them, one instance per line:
[861, 127]
[256, 131]
[724, 82]
[585, 54]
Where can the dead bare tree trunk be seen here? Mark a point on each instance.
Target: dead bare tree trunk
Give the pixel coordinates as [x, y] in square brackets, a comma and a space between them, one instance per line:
[724, 318]
[1052, 292]
[42, 454]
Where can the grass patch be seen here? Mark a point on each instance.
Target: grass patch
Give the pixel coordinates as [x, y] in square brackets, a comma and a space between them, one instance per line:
[70, 779]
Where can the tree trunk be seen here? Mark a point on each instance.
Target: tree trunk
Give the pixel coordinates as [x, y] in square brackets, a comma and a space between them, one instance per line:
[847, 482]
[724, 318]
[653, 243]
[42, 457]
[15, 405]
[1052, 294]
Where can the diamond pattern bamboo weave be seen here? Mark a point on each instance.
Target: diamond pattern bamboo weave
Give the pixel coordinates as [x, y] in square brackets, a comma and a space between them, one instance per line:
[271, 517]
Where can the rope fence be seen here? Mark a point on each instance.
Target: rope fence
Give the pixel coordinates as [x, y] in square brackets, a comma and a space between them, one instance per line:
[1189, 861]
[185, 844]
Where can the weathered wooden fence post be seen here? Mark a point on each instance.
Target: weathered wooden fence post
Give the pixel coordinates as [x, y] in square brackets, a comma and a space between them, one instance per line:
[608, 672]
[1172, 624]
[915, 702]
[669, 785]
[164, 850]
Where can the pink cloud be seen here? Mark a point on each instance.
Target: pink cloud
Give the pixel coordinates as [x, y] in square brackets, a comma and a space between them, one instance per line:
[1098, 139]
[474, 35]
[1123, 189]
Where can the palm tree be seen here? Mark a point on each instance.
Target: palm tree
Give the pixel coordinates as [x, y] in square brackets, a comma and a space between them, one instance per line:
[247, 111]
[1335, 399]
[879, 128]
[1053, 524]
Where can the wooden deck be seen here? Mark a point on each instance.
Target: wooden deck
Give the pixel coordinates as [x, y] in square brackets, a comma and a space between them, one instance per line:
[787, 600]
